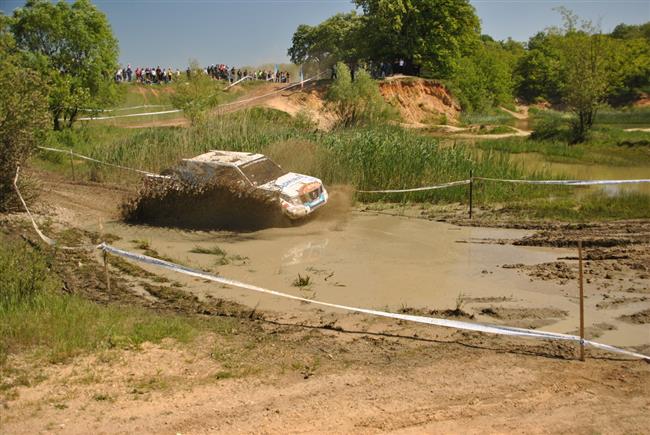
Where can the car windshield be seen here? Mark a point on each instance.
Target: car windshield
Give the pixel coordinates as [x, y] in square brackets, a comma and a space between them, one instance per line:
[262, 171]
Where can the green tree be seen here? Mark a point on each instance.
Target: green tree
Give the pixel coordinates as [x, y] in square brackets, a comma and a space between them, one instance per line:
[630, 63]
[537, 73]
[357, 102]
[627, 31]
[23, 113]
[586, 72]
[74, 47]
[431, 34]
[337, 39]
[485, 78]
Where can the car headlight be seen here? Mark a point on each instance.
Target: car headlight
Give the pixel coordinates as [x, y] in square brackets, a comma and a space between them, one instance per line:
[291, 200]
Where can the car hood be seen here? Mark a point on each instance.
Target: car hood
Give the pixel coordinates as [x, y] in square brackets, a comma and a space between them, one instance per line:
[291, 184]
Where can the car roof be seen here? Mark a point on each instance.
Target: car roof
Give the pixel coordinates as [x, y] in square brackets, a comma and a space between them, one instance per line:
[226, 158]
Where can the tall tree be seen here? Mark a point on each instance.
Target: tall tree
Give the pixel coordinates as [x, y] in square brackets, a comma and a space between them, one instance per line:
[537, 73]
[337, 39]
[485, 78]
[431, 34]
[23, 113]
[586, 76]
[73, 45]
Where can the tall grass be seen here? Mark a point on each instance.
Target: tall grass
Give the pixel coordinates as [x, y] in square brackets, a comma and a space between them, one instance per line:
[394, 158]
[593, 206]
[634, 116]
[386, 157]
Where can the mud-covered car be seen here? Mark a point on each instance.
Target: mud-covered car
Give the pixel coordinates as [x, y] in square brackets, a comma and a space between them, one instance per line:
[297, 195]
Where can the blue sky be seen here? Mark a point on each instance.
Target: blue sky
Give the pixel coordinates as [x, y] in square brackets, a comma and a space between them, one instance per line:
[252, 32]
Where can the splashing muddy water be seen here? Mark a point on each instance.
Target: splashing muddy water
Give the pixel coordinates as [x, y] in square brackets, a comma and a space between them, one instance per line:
[388, 262]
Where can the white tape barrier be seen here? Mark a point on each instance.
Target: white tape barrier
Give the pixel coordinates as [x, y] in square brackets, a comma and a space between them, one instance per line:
[237, 82]
[477, 327]
[248, 100]
[43, 237]
[132, 115]
[566, 182]
[81, 156]
[419, 189]
[122, 109]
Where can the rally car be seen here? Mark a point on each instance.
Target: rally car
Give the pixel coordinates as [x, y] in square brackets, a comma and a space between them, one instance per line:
[297, 195]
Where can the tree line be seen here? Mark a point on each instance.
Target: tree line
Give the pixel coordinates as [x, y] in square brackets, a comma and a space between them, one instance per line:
[55, 58]
[442, 39]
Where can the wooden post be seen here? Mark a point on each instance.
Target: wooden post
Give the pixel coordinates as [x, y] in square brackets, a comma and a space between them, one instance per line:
[582, 303]
[72, 166]
[471, 193]
[108, 279]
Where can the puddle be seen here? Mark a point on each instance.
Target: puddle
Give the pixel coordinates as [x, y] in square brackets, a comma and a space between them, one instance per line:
[379, 261]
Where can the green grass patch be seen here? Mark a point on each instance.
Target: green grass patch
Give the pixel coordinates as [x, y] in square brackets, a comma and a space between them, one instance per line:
[36, 315]
[593, 206]
[494, 116]
[619, 150]
[625, 117]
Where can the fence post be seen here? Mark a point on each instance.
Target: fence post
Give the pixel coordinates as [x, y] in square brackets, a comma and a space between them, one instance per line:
[582, 304]
[72, 166]
[108, 279]
[471, 191]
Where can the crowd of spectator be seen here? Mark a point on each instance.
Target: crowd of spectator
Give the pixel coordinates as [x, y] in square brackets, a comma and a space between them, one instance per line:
[149, 75]
[232, 74]
[146, 75]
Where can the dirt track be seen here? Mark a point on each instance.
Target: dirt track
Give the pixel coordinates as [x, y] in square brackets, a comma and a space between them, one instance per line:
[347, 373]
[341, 384]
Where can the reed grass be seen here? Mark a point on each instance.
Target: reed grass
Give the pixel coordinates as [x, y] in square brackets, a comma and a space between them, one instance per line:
[386, 157]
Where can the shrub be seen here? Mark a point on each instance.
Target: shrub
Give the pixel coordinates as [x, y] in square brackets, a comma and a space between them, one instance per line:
[357, 102]
[196, 96]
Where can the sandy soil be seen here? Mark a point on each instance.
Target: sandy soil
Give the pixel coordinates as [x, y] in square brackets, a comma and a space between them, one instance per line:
[281, 367]
[342, 382]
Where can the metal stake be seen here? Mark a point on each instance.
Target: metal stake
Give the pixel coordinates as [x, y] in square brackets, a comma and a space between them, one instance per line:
[582, 304]
[72, 166]
[108, 279]
[471, 194]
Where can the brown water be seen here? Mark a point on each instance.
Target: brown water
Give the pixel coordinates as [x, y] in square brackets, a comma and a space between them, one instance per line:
[380, 261]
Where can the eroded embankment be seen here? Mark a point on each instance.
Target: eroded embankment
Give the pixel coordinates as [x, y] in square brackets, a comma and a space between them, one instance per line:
[420, 101]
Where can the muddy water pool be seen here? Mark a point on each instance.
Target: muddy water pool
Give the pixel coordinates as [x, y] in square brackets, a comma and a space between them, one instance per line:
[384, 262]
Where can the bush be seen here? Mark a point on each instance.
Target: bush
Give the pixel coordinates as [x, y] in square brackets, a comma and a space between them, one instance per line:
[551, 128]
[357, 102]
[196, 96]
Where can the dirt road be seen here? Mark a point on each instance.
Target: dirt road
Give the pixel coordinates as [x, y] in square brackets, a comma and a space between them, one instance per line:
[365, 384]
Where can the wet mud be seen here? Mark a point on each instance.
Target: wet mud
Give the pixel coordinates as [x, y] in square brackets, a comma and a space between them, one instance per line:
[375, 260]
[223, 206]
